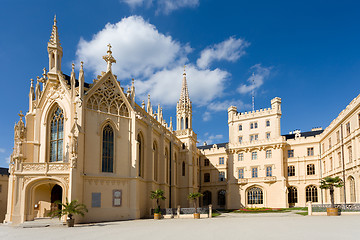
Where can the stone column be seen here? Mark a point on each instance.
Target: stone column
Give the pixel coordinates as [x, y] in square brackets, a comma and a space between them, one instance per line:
[210, 211]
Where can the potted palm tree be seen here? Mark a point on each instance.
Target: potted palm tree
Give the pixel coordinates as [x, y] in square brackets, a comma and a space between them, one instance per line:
[158, 195]
[331, 183]
[194, 197]
[69, 209]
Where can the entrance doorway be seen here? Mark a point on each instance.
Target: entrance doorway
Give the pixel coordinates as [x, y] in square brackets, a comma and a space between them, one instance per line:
[56, 195]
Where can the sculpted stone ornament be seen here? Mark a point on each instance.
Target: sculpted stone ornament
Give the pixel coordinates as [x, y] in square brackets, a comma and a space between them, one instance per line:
[109, 58]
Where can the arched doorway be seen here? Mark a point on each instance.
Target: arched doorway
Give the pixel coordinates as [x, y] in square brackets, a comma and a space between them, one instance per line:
[221, 198]
[292, 196]
[207, 198]
[43, 198]
[56, 195]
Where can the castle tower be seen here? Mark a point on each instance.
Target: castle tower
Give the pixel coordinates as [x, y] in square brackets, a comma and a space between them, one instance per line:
[184, 108]
[55, 50]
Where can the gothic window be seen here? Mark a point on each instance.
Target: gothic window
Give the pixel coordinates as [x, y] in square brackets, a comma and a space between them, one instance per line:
[108, 149]
[182, 123]
[183, 169]
[221, 198]
[311, 194]
[292, 195]
[207, 177]
[207, 198]
[352, 190]
[310, 169]
[57, 135]
[187, 123]
[255, 196]
[140, 155]
[156, 159]
[291, 171]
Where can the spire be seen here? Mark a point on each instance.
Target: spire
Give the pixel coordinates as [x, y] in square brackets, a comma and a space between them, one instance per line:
[81, 80]
[184, 108]
[31, 95]
[72, 80]
[54, 38]
[184, 95]
[55, 50]
[149, 108]
[37, 88]
[109, 58]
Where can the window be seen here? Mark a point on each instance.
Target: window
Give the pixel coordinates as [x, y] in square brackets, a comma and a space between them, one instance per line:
[269, 171]
[207, 177]
[339, 159]
[350, 154]
[0, 188]
[57, 135]
[240, 139]
[240, 127]
[241, 173]
[255, 125]
[324, 166]
[117, 194]
[348, 130]
[251, 138]
[221, 160]
[268, 136]
[352, 189]
[155, 157]
[221, 176]
[268, 123]
[337, 136]
[310, 169]
[95, 200]
[311, 194]
[206, 162]
[251, 125]
[290, 153]
[323, 147]
[331, 163]
[291, 171]
[310, 151]
[329, 143]
[107, 149]
[183, 169]
[221, 198]
[256, 137]
[254, 155]
[255, 196]
[241, 157]
[140, 155]
[292, 195]
[254, 172]
[207, 198]
[268, 154]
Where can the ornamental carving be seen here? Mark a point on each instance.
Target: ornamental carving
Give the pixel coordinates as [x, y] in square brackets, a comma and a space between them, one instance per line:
[108, 99]
[37, 167]
[58, 167]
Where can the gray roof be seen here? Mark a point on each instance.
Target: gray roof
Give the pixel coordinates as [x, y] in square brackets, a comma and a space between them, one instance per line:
[219, 145]
[4, 171]
[304, 134]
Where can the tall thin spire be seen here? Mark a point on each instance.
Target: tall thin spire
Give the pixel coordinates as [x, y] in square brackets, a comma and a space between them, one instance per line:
[54, 38]
[184, 95]
[253, 92]
[184, 108]
[55, 50]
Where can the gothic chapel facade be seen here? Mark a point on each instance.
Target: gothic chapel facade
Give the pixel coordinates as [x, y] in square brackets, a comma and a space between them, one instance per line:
[93, 143]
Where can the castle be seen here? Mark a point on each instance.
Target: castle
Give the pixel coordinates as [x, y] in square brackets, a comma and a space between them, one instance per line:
[92, 142]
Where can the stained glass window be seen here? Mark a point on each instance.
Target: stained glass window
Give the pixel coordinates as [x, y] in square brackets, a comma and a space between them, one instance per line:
[57, 135]
[108, 149]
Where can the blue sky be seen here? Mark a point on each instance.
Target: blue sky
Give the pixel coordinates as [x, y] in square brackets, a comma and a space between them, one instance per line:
[305, 52]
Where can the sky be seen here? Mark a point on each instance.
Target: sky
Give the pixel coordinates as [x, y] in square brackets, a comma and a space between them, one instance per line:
[305, 52]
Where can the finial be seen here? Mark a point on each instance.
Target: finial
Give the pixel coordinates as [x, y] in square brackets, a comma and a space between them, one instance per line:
[55, 20]
[132, 81]
[109, 58]
[143, 104]
[44, 73]
[81, 65]
[184, 70]
[37, 79]
[32, 82]
[149, 96]
[73, 67]
[21, 115]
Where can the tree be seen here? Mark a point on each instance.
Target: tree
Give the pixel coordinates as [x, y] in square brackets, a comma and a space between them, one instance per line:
[69, 209]
[330, 183]
[158, 195]
[194, 197]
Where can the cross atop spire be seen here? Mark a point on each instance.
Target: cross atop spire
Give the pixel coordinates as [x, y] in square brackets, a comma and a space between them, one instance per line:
[109, 58]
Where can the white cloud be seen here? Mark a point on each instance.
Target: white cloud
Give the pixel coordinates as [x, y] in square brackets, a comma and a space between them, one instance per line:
[138, 48]
[2, 150]
[206, 116]
[210, 139]
[163, 6]
[260, 74]
[231, 50]
[224, 105]
[7, 160]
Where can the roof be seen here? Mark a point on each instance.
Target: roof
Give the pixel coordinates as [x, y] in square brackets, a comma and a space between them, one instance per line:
[67, 79]
[219, 145]
[303, 134]
[4, 171]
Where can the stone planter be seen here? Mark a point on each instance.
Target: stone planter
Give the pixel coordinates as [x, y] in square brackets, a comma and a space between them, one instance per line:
[332, 211]
[157, 216]
[70, 222]
[196, 215]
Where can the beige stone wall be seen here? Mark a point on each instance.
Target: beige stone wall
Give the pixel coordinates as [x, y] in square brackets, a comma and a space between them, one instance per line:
[3, 195]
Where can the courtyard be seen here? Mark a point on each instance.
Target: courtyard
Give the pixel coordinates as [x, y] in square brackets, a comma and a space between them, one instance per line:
[227, 226]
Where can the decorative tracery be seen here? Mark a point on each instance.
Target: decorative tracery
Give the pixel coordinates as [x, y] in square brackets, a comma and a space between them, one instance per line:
[57, 135]
[107, 99]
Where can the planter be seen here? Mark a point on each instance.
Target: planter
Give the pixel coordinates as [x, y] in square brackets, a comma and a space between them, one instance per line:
[196, 215]
[157, 216]
[70, 222]
[332, 211]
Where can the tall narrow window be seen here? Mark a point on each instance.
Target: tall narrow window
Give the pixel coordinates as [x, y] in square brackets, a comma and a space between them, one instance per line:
[240, 127]
[221, 176]
[350, 153]
[221, 198]
[155, 157]
[240, 156]
[291, 171]
[183, 169]
[269, 171]
[57, 135]
[187, 123]
[352, 190]
[254, 172]
[241, 173]
[254, 155]
[140, 155]
[348, 130]
[268, 154]
[310, 169]
[292, 195]
[311, 194]
[108, 149]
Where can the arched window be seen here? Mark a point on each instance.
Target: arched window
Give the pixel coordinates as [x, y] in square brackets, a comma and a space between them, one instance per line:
[108, 149]
[57, 135]
[183, 169]
[182, 123]
[292, 195]
[166, 165]
[255, 196]
[342, 198]
[140, 155]
[352, 189]
[207, 198]
[311, 194]
[156, 159]
[221, 198]
[187, 123]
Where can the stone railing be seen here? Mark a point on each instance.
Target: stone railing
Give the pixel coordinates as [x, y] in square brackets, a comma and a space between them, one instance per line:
[350, 207]
[44, 168]
[244, 181]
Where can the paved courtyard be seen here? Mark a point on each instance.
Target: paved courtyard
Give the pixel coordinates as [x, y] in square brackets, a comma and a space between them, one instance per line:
[229, 226]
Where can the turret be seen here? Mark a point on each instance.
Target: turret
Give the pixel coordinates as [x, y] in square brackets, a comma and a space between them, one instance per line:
[54, 50]
[184, 108]
[276, 104]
